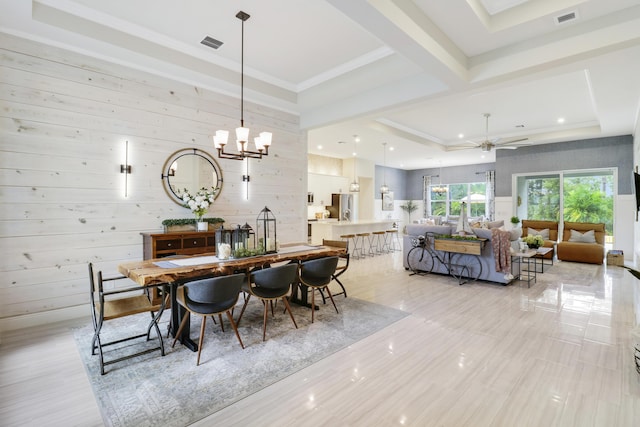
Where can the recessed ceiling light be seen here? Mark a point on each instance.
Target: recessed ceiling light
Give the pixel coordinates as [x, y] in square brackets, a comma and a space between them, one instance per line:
[319, 147]
[561, 120]
[391, 148]
[461, 135]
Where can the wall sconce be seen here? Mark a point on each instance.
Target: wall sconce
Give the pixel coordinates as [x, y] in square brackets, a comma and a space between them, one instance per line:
[246, 179]
[126, 167]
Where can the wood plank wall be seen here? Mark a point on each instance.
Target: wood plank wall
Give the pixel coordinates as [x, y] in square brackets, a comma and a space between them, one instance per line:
[64, 119]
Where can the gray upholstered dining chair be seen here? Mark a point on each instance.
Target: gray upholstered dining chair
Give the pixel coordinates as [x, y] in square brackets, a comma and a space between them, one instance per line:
[269, 285]
[317, 274]
[105, 306]
[208, 297]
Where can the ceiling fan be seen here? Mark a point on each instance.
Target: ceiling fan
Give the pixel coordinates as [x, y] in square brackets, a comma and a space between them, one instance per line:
[488, 145]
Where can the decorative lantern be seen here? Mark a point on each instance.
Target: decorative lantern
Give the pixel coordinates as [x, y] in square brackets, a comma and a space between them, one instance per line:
[251, 236]
[266, 231]
[239, 241]
[223, 243]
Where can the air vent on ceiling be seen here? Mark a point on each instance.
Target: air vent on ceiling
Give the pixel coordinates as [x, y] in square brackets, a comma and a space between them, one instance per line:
[567, 17]
[211, 42]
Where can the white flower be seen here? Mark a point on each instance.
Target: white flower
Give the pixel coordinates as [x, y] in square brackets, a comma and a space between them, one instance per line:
[199, 202]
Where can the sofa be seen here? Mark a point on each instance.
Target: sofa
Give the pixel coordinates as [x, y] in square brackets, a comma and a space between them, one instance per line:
[487, 259]
[547, 229]
[582, 242]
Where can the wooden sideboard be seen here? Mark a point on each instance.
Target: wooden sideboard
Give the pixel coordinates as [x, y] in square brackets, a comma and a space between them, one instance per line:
[158, 245]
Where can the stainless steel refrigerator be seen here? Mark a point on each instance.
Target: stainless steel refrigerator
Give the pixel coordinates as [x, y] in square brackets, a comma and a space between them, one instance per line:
[341, 207]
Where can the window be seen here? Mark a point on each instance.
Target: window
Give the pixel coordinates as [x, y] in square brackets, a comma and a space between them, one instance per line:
[450, 202]
[575, 196]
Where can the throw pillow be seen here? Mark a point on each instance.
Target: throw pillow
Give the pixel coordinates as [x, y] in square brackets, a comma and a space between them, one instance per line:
[542, 233]
[586, 237]
[482, 233]
[515, 234]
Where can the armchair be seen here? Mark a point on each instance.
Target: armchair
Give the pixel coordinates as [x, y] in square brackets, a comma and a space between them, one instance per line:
[582, 242]
[550, 239]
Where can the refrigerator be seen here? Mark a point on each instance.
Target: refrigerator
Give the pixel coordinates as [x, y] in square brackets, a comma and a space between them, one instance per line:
[342, 207]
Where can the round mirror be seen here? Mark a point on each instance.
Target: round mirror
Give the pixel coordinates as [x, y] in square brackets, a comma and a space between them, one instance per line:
[192, 169]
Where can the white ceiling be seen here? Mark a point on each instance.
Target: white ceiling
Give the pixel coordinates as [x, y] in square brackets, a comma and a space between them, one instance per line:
[413, 74]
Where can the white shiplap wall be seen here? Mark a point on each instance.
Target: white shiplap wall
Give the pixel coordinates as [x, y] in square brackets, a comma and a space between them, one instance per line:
[63, 123]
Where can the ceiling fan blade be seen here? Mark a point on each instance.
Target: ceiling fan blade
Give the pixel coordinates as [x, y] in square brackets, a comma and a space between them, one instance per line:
[512, 141]
[460, 147]
[505, 147]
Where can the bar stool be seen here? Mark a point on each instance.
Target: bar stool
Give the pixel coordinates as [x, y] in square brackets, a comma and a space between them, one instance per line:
[365, 238]
[380, 241]
[352, 242]
[394, 240]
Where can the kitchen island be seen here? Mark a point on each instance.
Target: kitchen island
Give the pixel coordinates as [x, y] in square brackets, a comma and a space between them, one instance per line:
[332, 230]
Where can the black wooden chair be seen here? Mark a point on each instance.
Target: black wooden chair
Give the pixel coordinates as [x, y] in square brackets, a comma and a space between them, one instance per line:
[317, 274]
[269, 285]
[208, 297]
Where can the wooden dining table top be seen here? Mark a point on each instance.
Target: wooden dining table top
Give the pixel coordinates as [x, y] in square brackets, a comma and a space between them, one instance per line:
[162, 270]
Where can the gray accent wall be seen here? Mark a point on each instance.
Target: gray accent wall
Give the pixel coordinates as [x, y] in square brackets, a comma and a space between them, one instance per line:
[615, 151]
[396, 180]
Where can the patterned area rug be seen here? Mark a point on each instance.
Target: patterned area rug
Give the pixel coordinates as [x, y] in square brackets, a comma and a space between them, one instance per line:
[172, 391]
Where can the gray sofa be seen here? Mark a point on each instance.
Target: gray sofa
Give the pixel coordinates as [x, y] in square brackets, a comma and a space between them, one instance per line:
[487, 260]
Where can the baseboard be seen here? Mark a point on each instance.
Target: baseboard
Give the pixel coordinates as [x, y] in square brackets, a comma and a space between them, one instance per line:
[43, 318]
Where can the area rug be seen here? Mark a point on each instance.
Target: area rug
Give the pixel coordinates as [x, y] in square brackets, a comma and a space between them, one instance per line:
[172, 391]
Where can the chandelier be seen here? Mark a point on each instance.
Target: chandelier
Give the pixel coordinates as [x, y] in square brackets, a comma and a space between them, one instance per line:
[221, 137]
[439, 189]
[354, 187]
[384, 188]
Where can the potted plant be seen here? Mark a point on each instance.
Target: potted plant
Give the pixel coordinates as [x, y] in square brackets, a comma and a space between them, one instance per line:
[409, 207]
[515, 221]
[189, 224]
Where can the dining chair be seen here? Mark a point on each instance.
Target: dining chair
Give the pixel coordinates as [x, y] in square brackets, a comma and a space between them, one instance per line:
[104, 307]
[317, 274]
[343, 263]
[208, 297]
[269, 285]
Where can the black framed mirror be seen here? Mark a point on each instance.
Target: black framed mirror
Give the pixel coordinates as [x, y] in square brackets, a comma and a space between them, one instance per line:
[192, 169]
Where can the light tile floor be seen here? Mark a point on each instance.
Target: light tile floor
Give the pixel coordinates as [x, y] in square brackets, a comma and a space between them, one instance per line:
[556, 354]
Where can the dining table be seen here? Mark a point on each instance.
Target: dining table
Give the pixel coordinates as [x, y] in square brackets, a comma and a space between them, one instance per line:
[176, 271]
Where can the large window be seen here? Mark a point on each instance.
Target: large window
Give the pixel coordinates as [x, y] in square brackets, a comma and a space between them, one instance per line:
[575, 196]
[450, 201]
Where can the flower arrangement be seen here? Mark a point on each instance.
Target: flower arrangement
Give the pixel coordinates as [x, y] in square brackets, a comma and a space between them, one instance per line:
[533, 242]
[199, 202]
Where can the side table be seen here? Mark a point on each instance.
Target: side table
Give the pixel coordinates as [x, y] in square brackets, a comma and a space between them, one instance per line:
[540, 255]
[520, 257]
